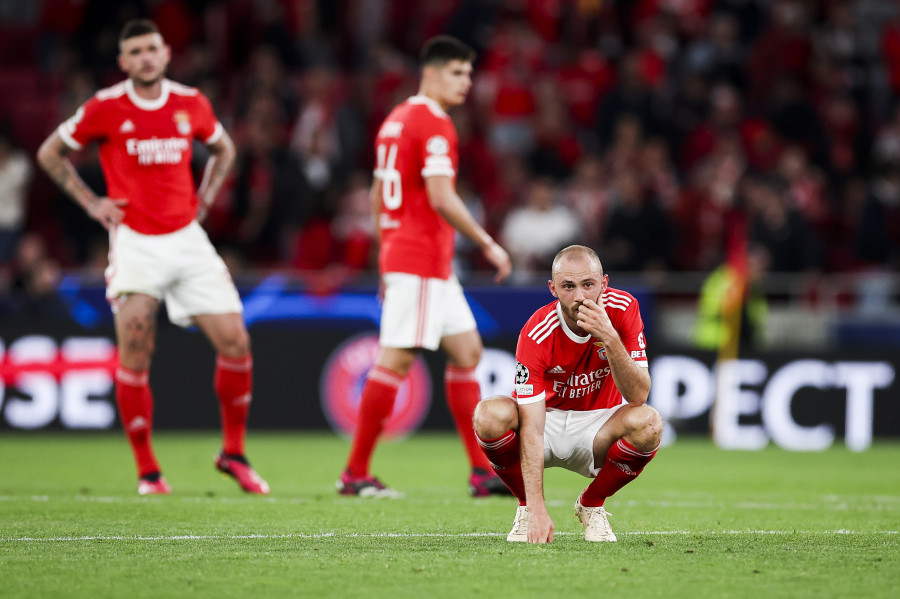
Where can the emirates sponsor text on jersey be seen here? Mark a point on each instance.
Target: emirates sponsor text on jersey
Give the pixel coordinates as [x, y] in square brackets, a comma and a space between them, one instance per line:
[579, 385]
[158, 150]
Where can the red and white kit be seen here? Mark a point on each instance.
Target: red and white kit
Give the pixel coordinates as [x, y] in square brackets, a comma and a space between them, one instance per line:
[145, 152]
[572, 375]
[423, 300]
[571, 372]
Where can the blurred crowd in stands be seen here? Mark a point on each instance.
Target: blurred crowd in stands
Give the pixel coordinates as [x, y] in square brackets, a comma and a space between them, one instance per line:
[651, 130]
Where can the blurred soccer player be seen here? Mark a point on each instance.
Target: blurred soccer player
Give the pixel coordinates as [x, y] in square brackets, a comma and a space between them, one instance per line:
[417, 209]
[158, 251]
[578, 358]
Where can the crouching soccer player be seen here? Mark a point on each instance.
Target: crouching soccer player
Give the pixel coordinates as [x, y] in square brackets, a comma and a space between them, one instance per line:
[577, 359]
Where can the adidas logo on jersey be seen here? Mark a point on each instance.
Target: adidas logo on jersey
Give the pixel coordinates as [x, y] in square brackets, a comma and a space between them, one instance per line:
[556, 370]
[127, 127]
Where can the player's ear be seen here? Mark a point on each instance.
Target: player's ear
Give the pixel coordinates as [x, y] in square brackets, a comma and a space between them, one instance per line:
[552, 287]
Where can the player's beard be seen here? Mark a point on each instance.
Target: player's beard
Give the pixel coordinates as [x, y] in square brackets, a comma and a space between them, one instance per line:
[141, 81]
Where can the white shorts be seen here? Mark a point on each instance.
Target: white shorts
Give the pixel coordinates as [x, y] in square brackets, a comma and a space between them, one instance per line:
[182, 268]
[569, 439]
[419, 312]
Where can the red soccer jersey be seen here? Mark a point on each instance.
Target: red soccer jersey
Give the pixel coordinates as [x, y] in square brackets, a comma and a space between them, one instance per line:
[417, 140]
[145, 150]
[571, 372]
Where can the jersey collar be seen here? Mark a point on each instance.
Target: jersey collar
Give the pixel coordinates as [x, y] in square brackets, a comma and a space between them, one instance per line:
[143, 103]
[431, 104]
[565, 327]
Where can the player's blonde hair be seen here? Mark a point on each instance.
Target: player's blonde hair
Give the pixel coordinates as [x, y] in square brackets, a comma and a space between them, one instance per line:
[573, 251]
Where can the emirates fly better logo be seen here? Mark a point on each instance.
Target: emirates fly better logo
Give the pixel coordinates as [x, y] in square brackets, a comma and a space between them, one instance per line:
[157, 151]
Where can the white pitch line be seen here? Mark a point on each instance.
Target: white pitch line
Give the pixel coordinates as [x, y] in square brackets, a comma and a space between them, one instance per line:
[834, 503]
[399, 535]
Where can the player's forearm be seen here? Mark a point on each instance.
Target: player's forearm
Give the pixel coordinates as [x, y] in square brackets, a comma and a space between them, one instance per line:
[443, 198]
[375, 201]
[455, 212]
[632, 381]
[531, 433]
[217, 168]
[63, 173]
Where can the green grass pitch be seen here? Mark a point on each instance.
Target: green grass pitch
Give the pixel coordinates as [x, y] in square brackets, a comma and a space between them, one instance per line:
[699, 522]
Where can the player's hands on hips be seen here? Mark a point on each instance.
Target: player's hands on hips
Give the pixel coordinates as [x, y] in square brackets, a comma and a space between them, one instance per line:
[107, 211]
[540, 526]
[497, 256]
[592, 317]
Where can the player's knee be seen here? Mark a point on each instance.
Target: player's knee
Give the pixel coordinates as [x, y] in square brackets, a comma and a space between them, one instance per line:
[646, 427]
[494, 416]
[466, 358]
[136, 353]
[135, 360]
[234, 342]
[398, 361]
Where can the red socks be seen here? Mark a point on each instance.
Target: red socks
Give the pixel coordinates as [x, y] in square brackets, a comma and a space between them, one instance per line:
[623, 463]
[503, 453]
[233, 382]
[463, 394]
[136, 411]
[377, 403]
[375, 407]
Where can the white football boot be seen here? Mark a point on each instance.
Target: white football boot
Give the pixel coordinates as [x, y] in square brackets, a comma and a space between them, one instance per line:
[519, 532]
[596, 526]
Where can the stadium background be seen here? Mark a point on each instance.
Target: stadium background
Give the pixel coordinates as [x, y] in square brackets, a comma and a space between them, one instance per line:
[667, 135]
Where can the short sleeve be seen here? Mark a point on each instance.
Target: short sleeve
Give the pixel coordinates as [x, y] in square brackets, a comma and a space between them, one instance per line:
[86, 125]
[531, 364]
[207, 127]
[439, 144]
[631, 331]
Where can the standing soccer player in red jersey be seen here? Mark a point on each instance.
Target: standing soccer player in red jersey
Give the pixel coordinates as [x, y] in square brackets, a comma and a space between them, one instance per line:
[417, 210]
[578, 358]
[158, 251]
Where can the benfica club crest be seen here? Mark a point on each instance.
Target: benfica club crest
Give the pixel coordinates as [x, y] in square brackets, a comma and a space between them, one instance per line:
[182, 122]
[601, 351]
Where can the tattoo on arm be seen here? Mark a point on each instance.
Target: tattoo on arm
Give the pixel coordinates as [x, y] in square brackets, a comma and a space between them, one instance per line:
[52, 157]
